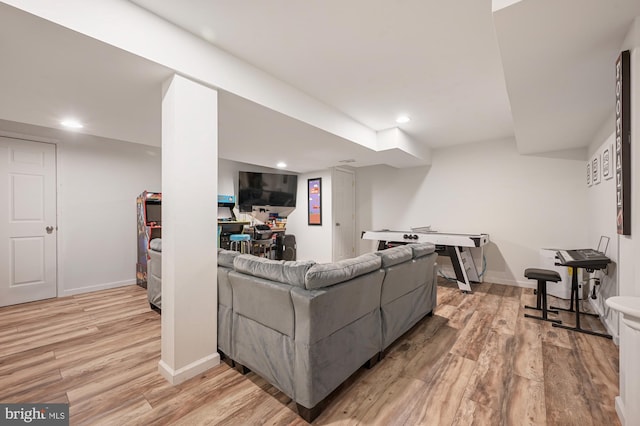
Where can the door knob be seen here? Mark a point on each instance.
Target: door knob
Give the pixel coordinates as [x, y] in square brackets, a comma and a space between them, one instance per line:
[337, 223]
[49, 229]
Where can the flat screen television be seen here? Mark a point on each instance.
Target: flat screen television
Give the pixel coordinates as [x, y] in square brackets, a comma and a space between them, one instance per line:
[266, 189]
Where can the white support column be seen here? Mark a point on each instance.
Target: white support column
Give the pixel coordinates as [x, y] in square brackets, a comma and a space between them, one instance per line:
[189, 222]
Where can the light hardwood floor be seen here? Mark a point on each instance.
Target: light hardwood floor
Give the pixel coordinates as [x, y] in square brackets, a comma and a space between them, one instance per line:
[476, 361]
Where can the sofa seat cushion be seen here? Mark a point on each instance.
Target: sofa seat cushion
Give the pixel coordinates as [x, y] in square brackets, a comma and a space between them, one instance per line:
[422, 249]
[226, 257]
[395, 255]
[282, 271]
[326, 274]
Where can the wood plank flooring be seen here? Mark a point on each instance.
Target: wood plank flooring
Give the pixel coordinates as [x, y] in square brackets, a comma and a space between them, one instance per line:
[477, 361]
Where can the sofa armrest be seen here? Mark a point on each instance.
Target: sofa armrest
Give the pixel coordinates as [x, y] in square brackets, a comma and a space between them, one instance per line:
[328, 274]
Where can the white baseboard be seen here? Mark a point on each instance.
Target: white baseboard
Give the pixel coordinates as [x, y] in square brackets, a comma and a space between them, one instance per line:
[96, 287]
[603, 320]
[175, 377]
[493, 279]
[620, 410]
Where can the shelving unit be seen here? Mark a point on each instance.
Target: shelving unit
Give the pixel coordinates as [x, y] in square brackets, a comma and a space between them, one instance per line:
[149, 212]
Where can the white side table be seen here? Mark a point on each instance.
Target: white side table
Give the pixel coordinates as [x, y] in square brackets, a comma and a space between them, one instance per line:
[627, 403]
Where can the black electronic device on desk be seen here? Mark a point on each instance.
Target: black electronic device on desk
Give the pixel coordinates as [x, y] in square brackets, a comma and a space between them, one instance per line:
[590, 260]
[262, 232]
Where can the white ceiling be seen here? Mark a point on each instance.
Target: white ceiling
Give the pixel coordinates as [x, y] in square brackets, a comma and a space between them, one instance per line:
[274, 137]
[48, 73]
[558, 59]
[436, 61]
[443, 63]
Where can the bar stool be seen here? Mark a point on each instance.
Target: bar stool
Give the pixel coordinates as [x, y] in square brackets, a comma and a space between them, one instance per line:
[542, 276]
[240, 242]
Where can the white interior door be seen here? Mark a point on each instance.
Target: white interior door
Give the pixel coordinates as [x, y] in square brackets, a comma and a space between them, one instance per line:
[27, 221]
[344, 214]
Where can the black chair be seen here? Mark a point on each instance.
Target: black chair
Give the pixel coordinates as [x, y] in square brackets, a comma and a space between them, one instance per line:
[542, 276]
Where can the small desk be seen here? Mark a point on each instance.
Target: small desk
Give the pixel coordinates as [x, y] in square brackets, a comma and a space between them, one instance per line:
[600, 262]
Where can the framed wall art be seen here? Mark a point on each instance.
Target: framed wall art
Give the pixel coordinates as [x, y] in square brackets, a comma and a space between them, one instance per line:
[595, 169]
[589, 181]
[607, 162]
[314, 193]
[623, 143]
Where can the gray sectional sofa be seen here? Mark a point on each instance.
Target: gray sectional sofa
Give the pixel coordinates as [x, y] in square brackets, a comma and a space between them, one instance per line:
[306, 327]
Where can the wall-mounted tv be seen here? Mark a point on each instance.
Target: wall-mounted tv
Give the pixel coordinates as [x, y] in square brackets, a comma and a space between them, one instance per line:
[266, 189]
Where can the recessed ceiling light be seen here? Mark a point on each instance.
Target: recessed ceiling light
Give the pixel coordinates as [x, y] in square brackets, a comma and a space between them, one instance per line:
[403, 119]
[281, 165]
[72, 123]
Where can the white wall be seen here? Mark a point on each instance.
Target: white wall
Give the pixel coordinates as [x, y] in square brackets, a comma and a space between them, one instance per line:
[601, 210]
[523, 202]
[98, 181]
[314, 242]
[629, 246]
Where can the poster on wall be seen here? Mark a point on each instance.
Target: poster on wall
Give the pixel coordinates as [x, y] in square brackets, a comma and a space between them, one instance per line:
[623, 143]
[595, 169]
[607, 162]
[314, 192]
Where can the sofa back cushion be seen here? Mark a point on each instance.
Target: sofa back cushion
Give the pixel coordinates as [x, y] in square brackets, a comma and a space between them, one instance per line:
[225, 257]
[422, 249]
[326, 274]
[395, 255]
[156, 244]
[263, 301]
[322, 312]
[282, 271]
[403, 278]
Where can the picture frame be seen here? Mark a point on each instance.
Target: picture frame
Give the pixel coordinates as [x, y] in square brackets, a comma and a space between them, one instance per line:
[623, 143]
[589, 182]
[314, 201]
[607, 162]
[595, 169]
